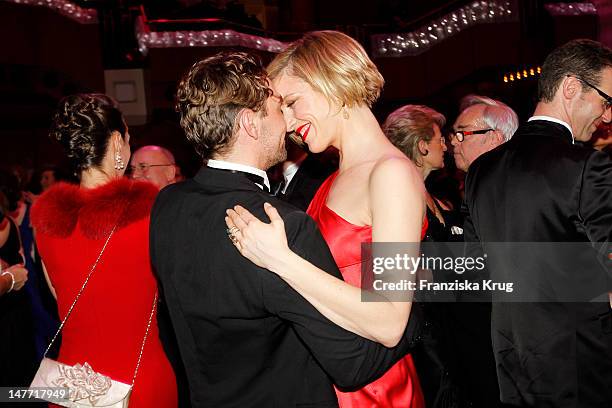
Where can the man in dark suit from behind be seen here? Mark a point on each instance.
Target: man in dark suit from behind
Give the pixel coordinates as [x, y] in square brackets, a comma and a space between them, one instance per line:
[245, 337]
[543, 188]
[482, 125]
[302, 173]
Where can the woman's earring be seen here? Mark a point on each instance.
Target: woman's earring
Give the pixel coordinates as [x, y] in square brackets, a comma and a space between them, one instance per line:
[424, 153]
[119, 164]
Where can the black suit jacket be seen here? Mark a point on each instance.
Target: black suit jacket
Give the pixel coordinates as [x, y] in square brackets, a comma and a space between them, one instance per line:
[246, 339]
[539, 187]
[310, 175]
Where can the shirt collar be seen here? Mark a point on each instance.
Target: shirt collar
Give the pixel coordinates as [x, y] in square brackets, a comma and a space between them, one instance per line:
[288, 174]
[225, 165]
[555, 120]
[291, 170]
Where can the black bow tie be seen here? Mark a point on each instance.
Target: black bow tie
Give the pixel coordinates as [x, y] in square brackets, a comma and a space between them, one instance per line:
[259, 180]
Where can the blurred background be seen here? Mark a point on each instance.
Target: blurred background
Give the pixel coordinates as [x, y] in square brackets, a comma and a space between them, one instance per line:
[430, 52]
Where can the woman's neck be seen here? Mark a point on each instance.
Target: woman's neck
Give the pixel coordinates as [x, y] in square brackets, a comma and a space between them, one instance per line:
[92, 178]
[425, 171]
[361, 139]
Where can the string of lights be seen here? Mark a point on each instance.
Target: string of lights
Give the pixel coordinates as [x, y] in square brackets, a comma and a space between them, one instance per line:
[527, 73]
[66, 8]
[383, 45]
[420, 40]
[207, 38]
[571, 9]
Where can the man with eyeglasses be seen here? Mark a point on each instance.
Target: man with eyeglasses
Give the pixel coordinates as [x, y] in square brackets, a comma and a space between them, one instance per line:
[552, 338]
[154, 164]
[483, 124]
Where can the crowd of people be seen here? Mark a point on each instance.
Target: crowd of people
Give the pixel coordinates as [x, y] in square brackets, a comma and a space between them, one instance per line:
[243, 286]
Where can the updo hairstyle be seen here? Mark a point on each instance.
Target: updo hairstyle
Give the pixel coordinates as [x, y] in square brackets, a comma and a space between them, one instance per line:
[83, 125]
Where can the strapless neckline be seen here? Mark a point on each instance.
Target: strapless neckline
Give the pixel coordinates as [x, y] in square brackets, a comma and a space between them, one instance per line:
[344, 220]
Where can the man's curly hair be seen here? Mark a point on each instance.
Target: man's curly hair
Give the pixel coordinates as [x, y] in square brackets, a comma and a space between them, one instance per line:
[211, 95]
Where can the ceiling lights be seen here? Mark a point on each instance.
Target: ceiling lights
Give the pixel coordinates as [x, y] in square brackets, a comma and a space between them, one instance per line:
[418, 41]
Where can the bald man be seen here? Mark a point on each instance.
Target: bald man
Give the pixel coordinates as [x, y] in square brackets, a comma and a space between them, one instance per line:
[154, 164]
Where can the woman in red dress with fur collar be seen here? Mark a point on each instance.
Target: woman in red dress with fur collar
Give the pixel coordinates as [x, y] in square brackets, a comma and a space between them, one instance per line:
[108, 323]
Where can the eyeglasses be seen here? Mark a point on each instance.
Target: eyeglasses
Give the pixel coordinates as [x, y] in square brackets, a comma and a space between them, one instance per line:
[144, 167]
[461, 134]
[607, 99]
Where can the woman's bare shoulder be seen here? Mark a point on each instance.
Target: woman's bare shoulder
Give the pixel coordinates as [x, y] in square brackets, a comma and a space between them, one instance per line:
[392, 168]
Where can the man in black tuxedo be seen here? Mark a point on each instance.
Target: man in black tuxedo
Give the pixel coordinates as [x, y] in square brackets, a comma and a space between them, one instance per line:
[542, 187]
[246, 339]
[482, 125]
[303, 173]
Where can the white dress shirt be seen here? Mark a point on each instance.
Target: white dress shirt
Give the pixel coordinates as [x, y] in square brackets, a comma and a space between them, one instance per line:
[225, 165]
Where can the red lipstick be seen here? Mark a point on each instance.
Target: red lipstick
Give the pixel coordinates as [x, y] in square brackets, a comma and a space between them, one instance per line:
[306, 128]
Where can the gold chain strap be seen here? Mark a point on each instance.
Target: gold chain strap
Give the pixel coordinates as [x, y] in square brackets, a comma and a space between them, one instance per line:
[81, 290]
[144, 340]
[145, 337]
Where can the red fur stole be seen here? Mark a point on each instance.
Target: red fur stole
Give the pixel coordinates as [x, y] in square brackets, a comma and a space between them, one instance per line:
[96, 210]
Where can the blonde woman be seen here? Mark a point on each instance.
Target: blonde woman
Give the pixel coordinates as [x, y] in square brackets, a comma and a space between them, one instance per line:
[416, 131]
[328, 85]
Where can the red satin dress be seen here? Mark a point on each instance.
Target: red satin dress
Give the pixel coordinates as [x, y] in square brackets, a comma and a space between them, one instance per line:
[399, 387]
[108, 323]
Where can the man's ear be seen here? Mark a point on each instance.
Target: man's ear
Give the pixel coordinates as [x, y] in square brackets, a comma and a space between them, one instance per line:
[497, 138]
[248, 121]
[570, 87]
[171, 173]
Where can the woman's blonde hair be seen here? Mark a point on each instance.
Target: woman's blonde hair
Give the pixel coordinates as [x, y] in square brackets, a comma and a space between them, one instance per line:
[331, 63]
[407, 126]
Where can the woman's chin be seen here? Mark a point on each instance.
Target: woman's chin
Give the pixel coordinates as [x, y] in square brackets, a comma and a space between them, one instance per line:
[314, 148]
